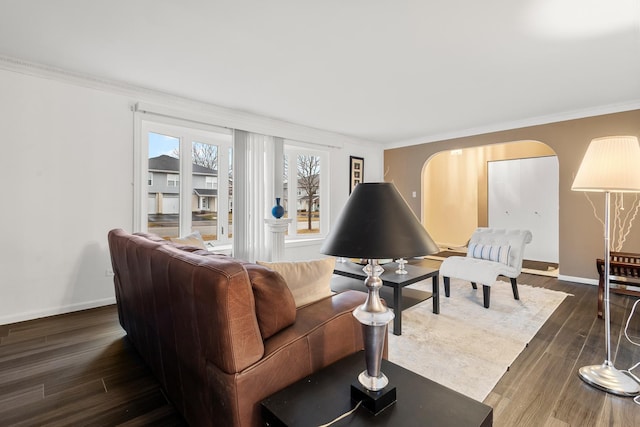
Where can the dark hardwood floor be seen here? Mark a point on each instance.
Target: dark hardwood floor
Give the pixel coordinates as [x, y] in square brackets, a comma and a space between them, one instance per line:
[79, 369]
[542, 387]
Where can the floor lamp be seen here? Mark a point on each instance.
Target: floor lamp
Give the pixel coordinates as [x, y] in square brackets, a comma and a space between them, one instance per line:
[610, 165]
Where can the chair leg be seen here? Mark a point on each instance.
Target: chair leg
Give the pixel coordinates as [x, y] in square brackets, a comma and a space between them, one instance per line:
[486, 294]
[514, 286]
[473, 285]
[446, 286]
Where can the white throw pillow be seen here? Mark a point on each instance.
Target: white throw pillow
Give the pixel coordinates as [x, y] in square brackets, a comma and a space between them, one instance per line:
[309, 281]
[193, 239]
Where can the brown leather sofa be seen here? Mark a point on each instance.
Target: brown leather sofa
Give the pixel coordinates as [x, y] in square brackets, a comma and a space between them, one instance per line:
[220, 334]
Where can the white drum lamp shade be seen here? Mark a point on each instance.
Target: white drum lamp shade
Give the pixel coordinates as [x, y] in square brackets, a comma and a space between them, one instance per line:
[610, 164]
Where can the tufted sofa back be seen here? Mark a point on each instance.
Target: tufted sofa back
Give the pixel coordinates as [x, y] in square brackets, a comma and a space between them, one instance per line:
[178, 306]
[221, 334]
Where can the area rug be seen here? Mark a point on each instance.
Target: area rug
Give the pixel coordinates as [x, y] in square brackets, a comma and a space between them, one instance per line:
[468, 347]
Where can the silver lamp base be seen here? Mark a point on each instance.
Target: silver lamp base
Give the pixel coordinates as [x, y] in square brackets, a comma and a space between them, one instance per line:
[373, 383]
[609, 379]
[374, 317]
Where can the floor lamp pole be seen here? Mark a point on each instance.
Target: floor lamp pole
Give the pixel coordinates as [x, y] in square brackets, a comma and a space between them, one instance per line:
[607, 278]
[606, 377]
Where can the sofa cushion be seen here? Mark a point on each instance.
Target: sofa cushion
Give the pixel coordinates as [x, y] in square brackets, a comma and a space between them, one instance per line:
[275, 306]
[309, 281]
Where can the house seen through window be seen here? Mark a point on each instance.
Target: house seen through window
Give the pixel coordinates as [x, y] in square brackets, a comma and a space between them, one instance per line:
[189, 182]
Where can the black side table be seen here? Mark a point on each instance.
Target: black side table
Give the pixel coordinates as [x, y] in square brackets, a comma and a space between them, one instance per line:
[397, 282]
[325, 395]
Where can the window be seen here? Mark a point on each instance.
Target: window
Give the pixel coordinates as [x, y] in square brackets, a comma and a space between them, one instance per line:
[188, 180]
[173, 180]
[305, 186]
[209, 182]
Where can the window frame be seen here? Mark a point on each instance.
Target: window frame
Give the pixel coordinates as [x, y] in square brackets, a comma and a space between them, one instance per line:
[187, 132]
[292, 149]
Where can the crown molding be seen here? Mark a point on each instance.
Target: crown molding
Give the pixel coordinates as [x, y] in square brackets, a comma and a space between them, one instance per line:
[210, 113]
[517, 124]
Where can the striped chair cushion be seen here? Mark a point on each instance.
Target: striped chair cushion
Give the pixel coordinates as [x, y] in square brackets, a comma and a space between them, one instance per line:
[489, 252]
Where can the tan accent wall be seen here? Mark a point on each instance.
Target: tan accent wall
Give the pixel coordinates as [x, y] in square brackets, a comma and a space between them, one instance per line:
[458, 181]
[581, 237]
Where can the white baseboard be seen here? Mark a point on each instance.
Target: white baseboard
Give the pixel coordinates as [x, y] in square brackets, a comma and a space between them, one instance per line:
[583, 280]
[52, 311]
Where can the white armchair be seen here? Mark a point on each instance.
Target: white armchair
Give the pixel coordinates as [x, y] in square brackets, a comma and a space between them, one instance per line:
[491, 253]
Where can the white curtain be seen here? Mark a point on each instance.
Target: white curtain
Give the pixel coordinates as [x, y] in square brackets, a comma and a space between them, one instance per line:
[253, 194]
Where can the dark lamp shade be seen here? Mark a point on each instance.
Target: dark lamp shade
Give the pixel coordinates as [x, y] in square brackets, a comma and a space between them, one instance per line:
[377, 223]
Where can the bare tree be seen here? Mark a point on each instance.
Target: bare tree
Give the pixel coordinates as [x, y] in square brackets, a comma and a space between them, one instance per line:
[309, 180]
[202, 154]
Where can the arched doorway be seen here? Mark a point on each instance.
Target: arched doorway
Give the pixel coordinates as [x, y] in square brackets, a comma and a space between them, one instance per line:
[455, 190]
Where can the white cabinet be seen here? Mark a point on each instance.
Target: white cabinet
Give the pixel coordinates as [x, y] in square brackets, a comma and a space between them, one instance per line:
[523, 194]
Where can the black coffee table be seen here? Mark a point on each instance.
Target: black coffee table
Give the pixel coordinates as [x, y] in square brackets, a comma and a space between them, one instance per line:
[325, 395]
[396, 281]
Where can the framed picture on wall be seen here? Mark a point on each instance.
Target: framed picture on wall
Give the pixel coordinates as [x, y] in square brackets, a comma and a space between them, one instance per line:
[356, 172]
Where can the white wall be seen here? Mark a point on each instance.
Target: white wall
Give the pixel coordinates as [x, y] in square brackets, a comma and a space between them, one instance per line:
[67, 174]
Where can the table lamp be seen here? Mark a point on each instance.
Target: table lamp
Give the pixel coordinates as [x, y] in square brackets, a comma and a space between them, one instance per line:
[609, 165]
[376, 223]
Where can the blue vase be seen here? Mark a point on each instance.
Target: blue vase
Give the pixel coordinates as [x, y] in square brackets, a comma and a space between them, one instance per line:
[277, 211]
